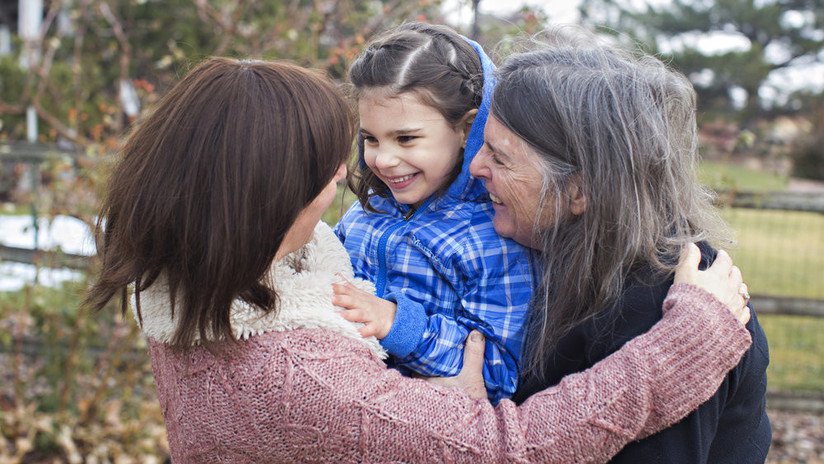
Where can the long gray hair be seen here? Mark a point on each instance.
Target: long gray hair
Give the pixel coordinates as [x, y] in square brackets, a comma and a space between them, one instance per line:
[622, 129]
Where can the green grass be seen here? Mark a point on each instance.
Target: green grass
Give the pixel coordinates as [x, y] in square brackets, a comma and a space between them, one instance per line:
[796, 352]
[781, 253]
[726, 176]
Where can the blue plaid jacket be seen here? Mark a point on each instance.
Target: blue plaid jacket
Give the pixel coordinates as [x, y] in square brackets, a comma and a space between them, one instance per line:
[448, 271]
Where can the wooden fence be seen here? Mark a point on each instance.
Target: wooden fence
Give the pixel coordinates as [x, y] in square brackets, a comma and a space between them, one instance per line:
[44, 258]
[32, 153]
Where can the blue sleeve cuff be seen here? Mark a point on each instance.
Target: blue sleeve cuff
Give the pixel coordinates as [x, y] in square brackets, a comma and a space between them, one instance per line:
[407, 329]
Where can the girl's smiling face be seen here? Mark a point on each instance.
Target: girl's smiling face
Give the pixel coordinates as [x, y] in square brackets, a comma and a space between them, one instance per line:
[409, 145]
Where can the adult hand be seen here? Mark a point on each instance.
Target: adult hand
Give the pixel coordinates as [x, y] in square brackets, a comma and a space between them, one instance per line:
[471, 377]
[722, 279]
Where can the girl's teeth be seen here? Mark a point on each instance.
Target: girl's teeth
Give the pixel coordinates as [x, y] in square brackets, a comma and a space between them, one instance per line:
[398, 180]
[495, 199]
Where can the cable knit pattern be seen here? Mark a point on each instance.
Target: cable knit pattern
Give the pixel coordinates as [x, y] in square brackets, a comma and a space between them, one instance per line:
[319, 394]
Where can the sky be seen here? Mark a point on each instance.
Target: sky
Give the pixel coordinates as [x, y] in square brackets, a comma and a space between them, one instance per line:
[561, 11]
[779, 84]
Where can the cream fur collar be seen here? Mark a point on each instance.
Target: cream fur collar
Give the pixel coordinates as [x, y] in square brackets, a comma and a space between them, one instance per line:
[304, 283]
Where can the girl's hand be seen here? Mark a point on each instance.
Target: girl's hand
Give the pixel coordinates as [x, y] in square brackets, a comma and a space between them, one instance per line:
[722, 279]
[471, 377]
[376, 314]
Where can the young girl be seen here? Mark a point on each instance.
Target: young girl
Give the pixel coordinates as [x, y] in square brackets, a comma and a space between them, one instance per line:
[423, 230]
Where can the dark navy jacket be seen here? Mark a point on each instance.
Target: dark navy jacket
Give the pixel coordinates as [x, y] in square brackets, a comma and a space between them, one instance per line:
[732, 427]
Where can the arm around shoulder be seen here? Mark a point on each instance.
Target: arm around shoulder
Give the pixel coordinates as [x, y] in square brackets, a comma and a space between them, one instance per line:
[367, 412]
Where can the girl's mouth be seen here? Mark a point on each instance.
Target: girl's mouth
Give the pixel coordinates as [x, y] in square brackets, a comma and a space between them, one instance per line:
[401, 181]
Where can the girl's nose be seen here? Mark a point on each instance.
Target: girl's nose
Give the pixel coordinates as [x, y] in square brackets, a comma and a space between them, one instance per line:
[386, 159]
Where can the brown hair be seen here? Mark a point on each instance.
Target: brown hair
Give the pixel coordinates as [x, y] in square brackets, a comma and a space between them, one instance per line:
[208, 185]
[435, 63]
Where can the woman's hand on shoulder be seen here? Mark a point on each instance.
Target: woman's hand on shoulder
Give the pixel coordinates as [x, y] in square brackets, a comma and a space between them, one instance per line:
[722, 279]
[471, 377]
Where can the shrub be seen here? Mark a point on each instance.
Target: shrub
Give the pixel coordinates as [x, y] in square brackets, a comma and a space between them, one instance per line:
[808, 158]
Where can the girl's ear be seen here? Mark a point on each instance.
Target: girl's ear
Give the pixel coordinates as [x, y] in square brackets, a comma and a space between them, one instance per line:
[466, 123]
[577, 197]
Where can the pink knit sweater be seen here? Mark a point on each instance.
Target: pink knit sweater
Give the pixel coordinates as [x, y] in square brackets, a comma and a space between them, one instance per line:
[311, 392]
[311, 395]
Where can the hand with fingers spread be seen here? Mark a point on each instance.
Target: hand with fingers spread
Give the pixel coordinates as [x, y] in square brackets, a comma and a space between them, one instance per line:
[722, 279]
[376, 314]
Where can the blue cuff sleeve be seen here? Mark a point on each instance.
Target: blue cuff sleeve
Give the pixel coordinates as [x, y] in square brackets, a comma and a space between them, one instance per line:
[407, 329]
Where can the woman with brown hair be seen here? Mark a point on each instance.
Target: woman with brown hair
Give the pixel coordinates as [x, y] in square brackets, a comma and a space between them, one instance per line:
[212, 214]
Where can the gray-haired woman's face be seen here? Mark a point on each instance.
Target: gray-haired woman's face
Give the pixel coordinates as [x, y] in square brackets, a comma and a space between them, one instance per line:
[511, 170]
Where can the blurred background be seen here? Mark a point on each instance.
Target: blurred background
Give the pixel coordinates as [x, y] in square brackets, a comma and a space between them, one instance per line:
[74, 74]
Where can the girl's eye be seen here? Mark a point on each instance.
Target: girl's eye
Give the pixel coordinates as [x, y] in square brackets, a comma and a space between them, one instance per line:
[406, 138]
[370, 140]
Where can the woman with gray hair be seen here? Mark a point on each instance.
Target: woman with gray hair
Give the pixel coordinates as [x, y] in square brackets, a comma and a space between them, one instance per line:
[590, 158]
